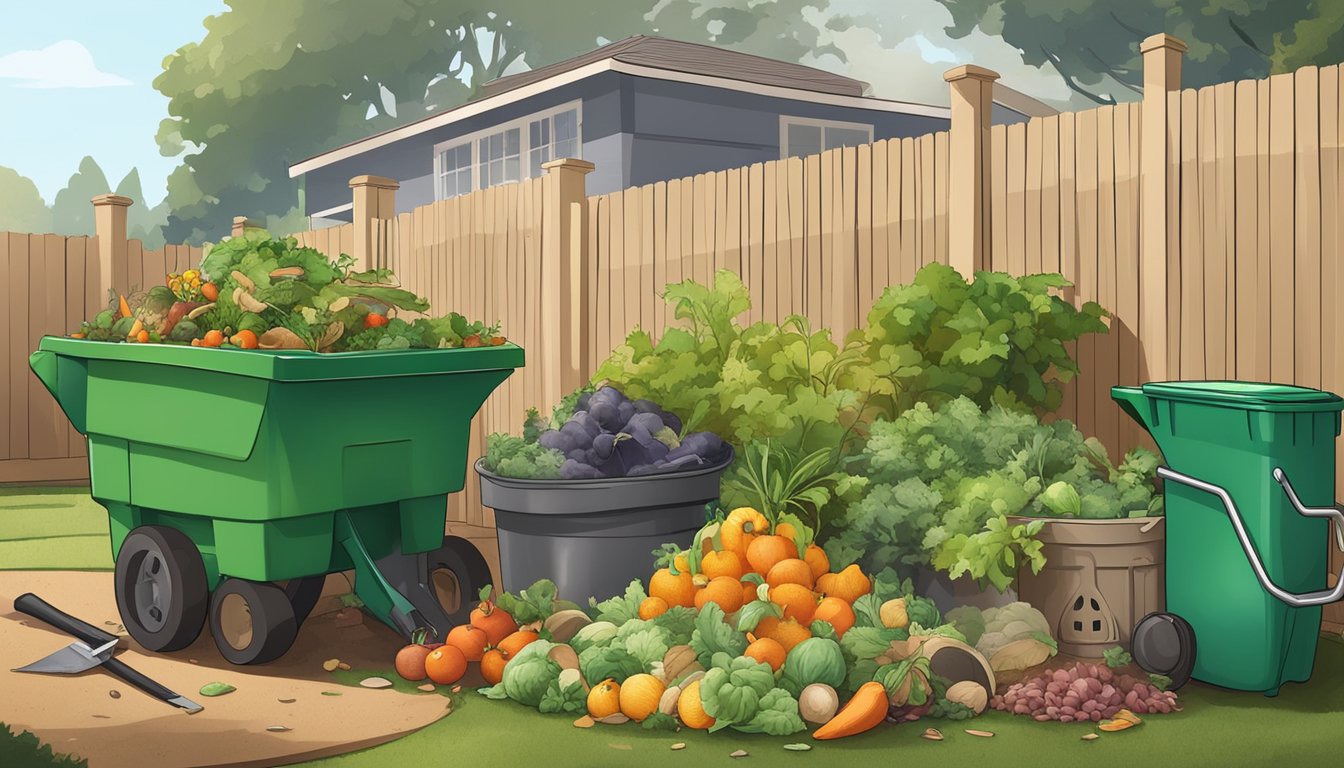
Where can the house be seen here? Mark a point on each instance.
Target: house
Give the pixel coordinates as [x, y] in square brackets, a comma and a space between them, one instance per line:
[644, 109]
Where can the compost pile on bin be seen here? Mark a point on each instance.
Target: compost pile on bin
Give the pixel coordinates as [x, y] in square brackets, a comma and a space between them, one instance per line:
[749, 629]
[254, 291]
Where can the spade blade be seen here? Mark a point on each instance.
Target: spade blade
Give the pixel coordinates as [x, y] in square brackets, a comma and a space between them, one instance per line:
[72, 659]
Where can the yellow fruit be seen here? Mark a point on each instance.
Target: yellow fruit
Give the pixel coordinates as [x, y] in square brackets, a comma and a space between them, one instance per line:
[691, 710]
[742, 526]
[893, 614]
[652, 607]
[604, 699]
[639, 696]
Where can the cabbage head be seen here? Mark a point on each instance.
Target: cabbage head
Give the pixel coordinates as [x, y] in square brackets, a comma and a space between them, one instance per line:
[815, 660]
[1015, 621]
[597, 634]
[530, 673]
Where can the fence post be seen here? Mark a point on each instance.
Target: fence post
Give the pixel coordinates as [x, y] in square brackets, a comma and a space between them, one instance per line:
[109, 224]
[240, 223]
[564, 288]
[375, 197]
[1161, 75]
[968, 203]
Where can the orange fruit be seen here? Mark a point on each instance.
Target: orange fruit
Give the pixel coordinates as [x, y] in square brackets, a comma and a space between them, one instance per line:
[799, 602]
[790, 571]
[212, 339]
[848, 585]
[835, 612]
[767, 651]
[492, 666]
[511, 645]
[494, 621]
[674, 590]
[765, 551]
[604, 699]
[748, 592]
[651, 607]
[682, 562]
[142, 337]
[445, 665]
[787, 531]
[725, 563]
[742, 526]
[816, 559]
[244, 339]
[690, 709]
[787, 633]
[640, 695]
[724, 590]
[469, 640]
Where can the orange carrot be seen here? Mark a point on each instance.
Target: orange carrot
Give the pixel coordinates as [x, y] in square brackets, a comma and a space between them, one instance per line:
[861, 713]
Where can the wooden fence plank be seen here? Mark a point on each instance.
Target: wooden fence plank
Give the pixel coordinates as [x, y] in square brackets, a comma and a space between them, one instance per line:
[1087, 257]
[675, 248]
[908, 260]
[998, 190]
[1125, 322]
[1307, 229]
[1226, 116]
[615, 259]
[648, 288]
[1245, 243]
[758, 258]
[698, 214]
[1331, 243]
[720, 219]
[1034, 169]
[812, 184]
[1068, 241]
[863, 207]
[56, 324]
[1281, 220]
[76, 276]
[633, 298]
[660, 234]
[881, 222]
[1214, 283]
[39, 433]
[940, 196]
[928, 248]
[774, 255]
[11, 349]
[1106, 354]
[791, 230]
[1192, 254]
[1050, 193]
[830, 217]
[844, 293]
[1016, 212]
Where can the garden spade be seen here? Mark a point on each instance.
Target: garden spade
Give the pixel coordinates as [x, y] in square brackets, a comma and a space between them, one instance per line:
[93, 648]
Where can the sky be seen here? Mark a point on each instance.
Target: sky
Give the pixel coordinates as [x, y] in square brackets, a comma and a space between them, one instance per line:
[76, 76]
[76, 79]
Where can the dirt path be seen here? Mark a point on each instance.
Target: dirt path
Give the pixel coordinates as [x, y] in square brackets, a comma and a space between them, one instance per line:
[79, 714]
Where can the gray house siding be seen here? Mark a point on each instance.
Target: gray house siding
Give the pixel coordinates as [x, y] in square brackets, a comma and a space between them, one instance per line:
[636, 131]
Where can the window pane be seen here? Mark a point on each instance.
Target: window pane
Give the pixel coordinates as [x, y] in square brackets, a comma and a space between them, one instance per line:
[538, 156]
[510, 168]
[566, 147]
[802, 139]
[567, 125]
[845, 137]
[510, 141]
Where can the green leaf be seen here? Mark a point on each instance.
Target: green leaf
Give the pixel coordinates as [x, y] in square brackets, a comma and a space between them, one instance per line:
[712, 635]
[216, 689]
[799, 747]
[659, 721]
[620, 609]
[1116, 657]
[751, 614]
[494, 692]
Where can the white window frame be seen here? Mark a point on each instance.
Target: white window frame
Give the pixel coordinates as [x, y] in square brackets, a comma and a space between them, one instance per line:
[524, 144]
[786, 120]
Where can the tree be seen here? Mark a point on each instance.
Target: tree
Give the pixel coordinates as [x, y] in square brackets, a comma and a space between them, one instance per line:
[22, 208]
[71, 212]
[143, 223]
[1095, 45]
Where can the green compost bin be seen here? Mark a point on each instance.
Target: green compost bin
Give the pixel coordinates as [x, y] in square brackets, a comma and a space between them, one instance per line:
[277, 465]
[1247, 551]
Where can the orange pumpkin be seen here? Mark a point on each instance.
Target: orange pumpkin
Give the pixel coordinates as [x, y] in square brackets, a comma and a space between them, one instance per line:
[765, 551]
[724, 590]
[691, 710]
[789, 571]
[816, 559]
[767, 651]
[674, 590]
[495, 622]
[742, 526]
[799, 602]
[511, 645]
[837, 613]
[492, 666]
[639, 696]
[725, 563]
[848, 585]
[604, 699]
[652, 607]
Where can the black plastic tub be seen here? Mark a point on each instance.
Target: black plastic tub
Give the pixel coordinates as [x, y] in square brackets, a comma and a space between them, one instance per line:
[593, 537]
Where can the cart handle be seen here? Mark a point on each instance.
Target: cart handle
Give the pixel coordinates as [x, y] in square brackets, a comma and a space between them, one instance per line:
[1294, 599]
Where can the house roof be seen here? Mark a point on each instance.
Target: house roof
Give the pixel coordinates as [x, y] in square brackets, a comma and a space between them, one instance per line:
[692, 58]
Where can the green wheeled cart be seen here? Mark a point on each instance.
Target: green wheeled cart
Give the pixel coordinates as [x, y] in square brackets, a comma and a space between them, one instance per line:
[236, 480]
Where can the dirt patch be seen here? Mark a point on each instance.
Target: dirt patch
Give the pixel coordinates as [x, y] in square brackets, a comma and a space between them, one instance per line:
[81, 714]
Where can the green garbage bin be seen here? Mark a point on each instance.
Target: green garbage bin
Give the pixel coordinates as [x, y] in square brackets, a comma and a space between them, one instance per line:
[1246, 558]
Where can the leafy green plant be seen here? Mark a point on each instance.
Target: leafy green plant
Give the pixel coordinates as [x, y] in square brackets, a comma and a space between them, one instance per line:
[1117, 657]
[779, 483]
[24, 748]
[515, 457]
[991, 556]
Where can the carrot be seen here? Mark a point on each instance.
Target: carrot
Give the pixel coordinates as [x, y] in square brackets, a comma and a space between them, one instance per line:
[123, 306]
[861, 713]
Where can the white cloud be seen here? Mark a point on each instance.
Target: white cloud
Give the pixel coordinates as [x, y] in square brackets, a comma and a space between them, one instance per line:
[65, 64]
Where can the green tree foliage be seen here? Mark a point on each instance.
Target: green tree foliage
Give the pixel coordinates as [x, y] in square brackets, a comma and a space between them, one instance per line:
[1095, 45]
[71, 213]
[22, 208]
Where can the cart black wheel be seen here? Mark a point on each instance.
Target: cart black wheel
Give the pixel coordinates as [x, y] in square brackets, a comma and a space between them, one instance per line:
[252, 621]
[456, 572]
[1164, 644]
[161, 588]
[303, 595]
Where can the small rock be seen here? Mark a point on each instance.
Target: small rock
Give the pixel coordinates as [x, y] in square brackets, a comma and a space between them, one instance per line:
[427, 687]
[620, 746]
[932, 734]
[277, 728]
[376, 682]
[738, 753]
[679, 745]
[114, 693]
[331, 664]
[1091, 737]
[981, 734]
[286, 701]
[343, 667]
[193, 661]
[584, 722]
[457, 689]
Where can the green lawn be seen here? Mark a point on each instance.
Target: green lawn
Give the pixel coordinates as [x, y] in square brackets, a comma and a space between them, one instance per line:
[1301, 727]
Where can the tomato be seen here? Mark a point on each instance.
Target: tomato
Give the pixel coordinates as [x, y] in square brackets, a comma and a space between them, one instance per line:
[375, 320]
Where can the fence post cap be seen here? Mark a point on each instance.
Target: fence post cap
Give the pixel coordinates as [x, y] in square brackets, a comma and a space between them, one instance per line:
[120, 200]
[381, 182]
[1162, 40]
[970, 71]
[572, 163]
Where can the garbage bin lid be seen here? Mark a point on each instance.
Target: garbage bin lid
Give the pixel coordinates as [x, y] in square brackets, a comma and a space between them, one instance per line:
[1247, 395]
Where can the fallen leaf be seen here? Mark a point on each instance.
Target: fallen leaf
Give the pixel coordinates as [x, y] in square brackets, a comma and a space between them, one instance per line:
[286, 701]
[343, 666]
[331, 693]
[277, 728]
[1125, 714]
[114, 693]
[193, 661]
[331, 664]
[1112, 726]
[110, 623]
[620, 746]
[103, 717]
[427, 687]
[585, 722]
[216, 689]
[982, 734]
[798, 747]
[933, 734]
[376, 682]
[679, 745]
[616, 719]
[1091, 737]
[457, 689]
[738, 753]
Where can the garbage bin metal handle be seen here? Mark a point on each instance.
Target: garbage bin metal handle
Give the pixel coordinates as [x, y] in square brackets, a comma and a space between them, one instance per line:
[1303, 509]
[1296, 600]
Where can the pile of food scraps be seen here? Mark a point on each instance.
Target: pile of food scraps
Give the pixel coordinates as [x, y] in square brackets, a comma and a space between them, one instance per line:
[750, 629]
[254, 291]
